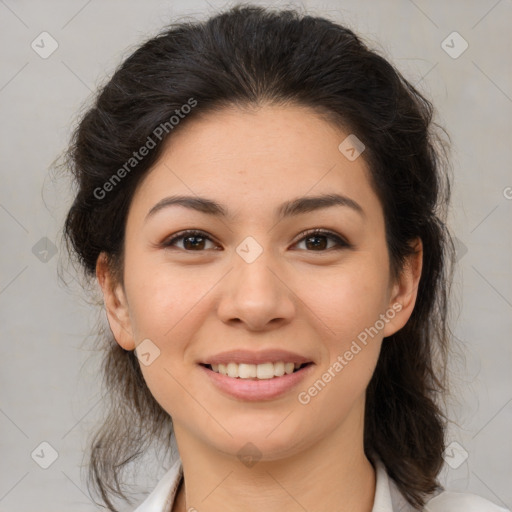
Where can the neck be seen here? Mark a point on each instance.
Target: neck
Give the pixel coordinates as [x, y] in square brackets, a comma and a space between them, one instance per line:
[332, 474]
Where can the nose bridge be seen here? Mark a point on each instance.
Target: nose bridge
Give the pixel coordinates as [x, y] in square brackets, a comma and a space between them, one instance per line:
[255, 293]
[254, 273]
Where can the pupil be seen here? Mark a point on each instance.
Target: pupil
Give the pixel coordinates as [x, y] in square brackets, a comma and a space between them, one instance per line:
[316, 237]
[193, 244]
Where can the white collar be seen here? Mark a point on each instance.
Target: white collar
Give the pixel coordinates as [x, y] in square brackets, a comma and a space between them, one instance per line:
[388, 498]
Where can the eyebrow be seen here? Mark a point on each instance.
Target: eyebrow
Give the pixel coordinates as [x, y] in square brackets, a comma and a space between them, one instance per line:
[290, 208]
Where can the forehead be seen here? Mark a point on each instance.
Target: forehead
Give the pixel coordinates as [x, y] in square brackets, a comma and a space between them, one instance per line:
[251, 159]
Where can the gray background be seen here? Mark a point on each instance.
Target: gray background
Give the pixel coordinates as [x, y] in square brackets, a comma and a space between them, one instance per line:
[49, 385]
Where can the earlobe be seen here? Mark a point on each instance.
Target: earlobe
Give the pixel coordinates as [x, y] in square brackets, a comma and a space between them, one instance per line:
[116, 305]
[405, 290]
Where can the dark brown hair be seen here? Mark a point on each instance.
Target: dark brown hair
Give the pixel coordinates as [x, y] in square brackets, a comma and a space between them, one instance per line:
[250, 56]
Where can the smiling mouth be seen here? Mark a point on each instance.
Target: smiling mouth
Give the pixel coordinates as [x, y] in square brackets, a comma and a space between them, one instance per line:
[264, 371]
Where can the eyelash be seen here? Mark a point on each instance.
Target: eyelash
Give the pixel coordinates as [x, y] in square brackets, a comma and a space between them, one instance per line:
[341, 243]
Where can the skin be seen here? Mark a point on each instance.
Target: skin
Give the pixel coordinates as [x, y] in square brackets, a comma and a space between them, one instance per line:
[193, 303]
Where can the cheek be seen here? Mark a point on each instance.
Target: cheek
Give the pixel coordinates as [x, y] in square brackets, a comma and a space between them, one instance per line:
[160, 298]
[345, 300]
[166, 308]
[349, 304]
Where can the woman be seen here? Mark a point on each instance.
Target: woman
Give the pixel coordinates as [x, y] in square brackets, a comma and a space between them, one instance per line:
[261, 199]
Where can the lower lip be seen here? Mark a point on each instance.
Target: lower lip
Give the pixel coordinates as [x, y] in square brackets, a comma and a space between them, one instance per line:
[253, 390]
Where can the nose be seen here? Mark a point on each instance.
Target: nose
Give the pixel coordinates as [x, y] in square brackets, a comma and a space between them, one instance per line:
[257, 294]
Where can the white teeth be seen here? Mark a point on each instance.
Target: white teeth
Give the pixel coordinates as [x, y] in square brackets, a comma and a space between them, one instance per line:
[259, 371]
[279, 369]
[246, 371]
[232, 370]
[265, 371]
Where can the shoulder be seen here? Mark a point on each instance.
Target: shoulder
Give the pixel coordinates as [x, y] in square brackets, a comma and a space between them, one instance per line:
[388, 498]
[448, 501]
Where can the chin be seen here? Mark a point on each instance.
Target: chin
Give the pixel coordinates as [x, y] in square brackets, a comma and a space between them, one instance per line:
[264, 441]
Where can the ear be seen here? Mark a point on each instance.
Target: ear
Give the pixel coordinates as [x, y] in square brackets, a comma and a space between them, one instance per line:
[405, 290]
[116, 304]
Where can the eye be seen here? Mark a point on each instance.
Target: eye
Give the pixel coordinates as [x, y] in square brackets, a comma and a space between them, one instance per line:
[318, 240]
[193, 240]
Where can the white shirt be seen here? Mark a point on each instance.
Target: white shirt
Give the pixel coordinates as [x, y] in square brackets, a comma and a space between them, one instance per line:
[387, 496]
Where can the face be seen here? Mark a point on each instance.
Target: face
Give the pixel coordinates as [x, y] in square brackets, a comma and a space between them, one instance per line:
[256, 282]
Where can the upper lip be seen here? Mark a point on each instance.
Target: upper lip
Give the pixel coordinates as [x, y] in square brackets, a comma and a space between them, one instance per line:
[252, 357]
